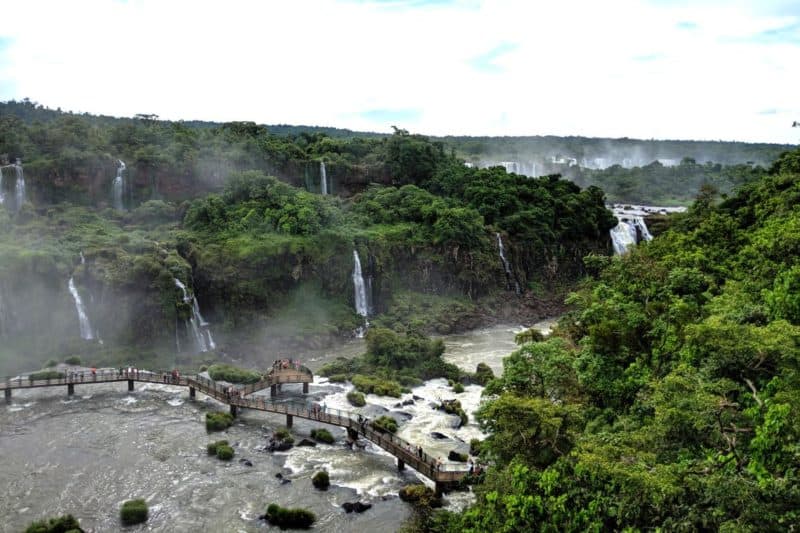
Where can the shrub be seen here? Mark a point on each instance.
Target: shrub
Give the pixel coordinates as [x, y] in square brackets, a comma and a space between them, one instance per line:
[283, 434]
[322, 435]
[321, 480]
[62, 524]
[483, 374]
[218, 421]
[289, 518]
[386, 424]
[232, 374]
[73, 360]
[453, 407]
[46, 374]
[420, 494]
[459, 457]
[475, 447]
[51, 363]
[372, 385]
[133, 512]
[356, 399]
[212, 446]
[458, 388]
[225, 452]
[337, 378]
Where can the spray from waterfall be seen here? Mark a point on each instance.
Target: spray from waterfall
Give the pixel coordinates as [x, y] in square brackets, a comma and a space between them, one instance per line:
[510, 277]
[83, 318]
[323, 178]
[196, 324]
[118, 187]
[2, 191]
[360, 294]
[20, 188]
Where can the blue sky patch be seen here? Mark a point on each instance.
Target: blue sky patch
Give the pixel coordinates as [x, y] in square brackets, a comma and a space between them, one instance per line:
[487, 62]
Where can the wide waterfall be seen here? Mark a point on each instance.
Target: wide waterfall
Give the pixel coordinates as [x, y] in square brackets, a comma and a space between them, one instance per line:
[323, 178]
[199, 328]
[509, 274]
[118, 187]
[631, 228]
[360, 293]
[83, 318]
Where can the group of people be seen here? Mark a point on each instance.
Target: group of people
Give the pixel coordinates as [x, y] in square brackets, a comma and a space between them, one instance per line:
[128, 372]
[232, 393]
[171, 377]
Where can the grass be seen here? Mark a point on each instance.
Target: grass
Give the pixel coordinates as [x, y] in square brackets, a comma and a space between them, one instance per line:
[218, 421]
[286, 518]
[133, 512]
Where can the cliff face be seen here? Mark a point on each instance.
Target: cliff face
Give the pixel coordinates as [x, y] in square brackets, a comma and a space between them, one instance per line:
[90, 183]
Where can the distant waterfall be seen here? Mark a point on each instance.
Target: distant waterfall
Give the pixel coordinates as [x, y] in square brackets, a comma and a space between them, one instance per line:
[20, 188]
[83, 319]
[629, 231]
[323, 178]
[2, 191]
[509, 274]
[361, 294]
[197, 325]
[118, 187]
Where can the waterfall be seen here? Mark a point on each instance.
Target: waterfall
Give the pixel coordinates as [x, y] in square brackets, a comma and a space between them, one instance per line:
[118, 187]
[2, 191]
[360, 293]
[323, 178]
[506, 267]
[83, 319]
[197, 325]
[629, 231]
[20, 187]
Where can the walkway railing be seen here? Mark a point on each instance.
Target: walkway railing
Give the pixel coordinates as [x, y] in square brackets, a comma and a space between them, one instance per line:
[241, 397]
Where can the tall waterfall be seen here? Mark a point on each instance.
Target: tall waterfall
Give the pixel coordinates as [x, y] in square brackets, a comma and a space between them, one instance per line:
[323, 178]
[360, 293]
[2, 191]
[199, 328]
[118, 187]
[509, 274]
[83, 319]
[20, 188]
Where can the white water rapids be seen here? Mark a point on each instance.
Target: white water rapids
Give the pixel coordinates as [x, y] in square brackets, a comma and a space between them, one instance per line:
[88, 453]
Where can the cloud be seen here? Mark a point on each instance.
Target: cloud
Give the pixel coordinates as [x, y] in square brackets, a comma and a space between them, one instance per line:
[772, 111]
[627, 68]
[786, 34]
[488, 62]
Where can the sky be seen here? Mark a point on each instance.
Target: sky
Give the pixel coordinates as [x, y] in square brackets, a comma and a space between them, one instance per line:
[650, 69]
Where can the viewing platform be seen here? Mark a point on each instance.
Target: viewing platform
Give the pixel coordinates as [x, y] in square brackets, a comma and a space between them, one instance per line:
[244, 397]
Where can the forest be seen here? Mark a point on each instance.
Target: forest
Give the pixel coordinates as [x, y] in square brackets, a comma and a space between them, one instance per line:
[668, 396]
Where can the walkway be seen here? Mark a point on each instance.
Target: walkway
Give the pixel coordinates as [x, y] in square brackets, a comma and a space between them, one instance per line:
[405, 452]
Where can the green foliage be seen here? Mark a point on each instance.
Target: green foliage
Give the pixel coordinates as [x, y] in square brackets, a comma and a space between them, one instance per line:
[322, 435]
[218, 421]
[221, 449]
[225, 452]
[46, 374]
[458, 457]
[231, 374]
[50, 363]
[377, 386]
[386, 424]
[420, 495]
[356, 399]
[62, 524]
[483, 374]
[286, 518]
[133, 512]
[458, 388]
[73, 360]
[669, 399]
[321, 480]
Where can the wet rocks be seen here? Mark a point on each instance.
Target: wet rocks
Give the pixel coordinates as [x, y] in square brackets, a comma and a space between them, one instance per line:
[356, 507]
[306, 442]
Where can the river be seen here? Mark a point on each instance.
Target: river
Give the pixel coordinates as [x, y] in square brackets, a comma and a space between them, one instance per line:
[87, 454]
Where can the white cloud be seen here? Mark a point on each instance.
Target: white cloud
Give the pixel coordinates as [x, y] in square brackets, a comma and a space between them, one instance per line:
[627, 68]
